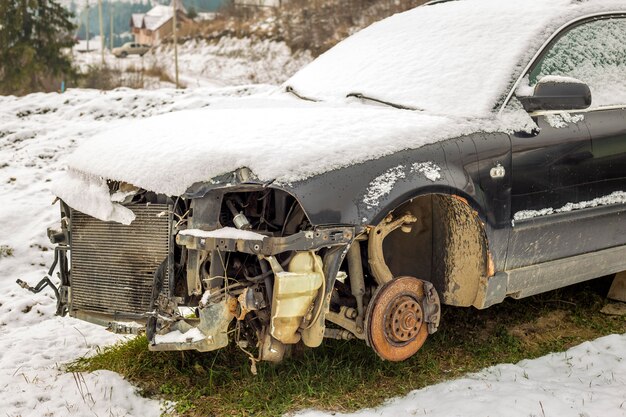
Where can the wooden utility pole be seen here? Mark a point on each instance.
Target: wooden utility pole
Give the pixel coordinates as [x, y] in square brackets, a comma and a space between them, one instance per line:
[87, 23]
[111, 34]
[174, 28]
[101, 31]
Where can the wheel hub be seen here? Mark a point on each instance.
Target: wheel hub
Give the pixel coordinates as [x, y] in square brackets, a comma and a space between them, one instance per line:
[396, 327]
[404, 319]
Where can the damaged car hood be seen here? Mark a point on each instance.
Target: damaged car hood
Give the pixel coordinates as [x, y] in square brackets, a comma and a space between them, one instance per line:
[279, 139]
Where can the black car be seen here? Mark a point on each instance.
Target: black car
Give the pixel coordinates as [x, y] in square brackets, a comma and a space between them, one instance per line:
[476, 150]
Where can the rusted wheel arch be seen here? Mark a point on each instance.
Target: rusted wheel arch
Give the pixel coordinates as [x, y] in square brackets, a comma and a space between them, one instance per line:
[461, 262]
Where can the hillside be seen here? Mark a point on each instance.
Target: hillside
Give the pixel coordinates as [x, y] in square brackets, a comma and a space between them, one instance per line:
[202, 63]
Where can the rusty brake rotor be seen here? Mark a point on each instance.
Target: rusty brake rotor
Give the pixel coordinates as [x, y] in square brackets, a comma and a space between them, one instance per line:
[396, 325]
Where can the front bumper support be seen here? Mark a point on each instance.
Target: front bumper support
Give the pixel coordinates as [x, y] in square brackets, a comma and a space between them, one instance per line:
[302, 241]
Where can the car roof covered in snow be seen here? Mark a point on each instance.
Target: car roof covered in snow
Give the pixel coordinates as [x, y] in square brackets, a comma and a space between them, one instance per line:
[455, 57]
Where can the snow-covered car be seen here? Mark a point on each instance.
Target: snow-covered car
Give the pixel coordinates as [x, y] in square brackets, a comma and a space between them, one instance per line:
[456, 154]
[130, 48]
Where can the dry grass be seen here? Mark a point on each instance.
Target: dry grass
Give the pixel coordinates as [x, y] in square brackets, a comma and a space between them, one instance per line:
[153, 70]
[108, 78]
[550, 328]
[6, 251]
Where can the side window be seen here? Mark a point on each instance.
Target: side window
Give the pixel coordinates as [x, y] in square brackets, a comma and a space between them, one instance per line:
[595, 53]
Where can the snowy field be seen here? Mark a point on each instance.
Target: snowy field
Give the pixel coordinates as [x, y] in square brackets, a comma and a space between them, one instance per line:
[231, 61]
[36, 131]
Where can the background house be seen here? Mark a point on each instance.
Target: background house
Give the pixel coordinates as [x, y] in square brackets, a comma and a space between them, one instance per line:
[153, 26]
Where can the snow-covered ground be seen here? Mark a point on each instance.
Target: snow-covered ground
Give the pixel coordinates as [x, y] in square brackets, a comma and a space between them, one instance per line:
[39, 129]
[230, 61]
[587, 380]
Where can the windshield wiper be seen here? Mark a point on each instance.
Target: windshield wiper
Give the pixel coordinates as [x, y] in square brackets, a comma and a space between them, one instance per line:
[291, 90]
[394, 105]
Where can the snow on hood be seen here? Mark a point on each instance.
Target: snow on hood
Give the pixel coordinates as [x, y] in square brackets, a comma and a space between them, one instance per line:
[280, 139]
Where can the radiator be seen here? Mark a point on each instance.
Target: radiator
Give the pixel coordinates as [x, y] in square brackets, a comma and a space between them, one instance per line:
[113, 265]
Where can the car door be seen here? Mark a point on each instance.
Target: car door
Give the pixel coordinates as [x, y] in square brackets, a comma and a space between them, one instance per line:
[608, 142]
[548, 170]
[566, 173]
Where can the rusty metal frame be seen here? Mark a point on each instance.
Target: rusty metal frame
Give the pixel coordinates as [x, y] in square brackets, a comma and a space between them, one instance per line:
[375, 252]
[321, 237]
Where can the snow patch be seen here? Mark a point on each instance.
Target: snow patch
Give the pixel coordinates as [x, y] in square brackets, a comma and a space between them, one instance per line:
[205, 298]
[529, 214]
[120, 196]
[618, 197]
[192, 335]
[562, 120]
[90, 195]
[382, 185]
[429, 169]
[560, 79]
[524, 89]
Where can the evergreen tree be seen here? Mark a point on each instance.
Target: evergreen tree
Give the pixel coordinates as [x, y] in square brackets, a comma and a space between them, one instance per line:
[192, 13]
[33, 37]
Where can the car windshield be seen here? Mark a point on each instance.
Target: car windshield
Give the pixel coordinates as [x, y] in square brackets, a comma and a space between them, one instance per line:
[457, 57]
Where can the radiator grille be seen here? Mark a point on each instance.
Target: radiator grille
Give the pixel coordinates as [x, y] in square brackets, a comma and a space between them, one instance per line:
[113, 265]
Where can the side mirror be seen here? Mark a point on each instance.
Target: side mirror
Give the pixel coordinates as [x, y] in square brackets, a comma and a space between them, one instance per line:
[558, 93]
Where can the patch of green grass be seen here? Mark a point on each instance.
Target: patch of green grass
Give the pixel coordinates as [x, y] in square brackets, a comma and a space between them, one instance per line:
[347, 375]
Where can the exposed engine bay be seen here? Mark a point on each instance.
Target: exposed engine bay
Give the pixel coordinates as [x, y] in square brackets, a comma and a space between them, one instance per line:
[240, 263]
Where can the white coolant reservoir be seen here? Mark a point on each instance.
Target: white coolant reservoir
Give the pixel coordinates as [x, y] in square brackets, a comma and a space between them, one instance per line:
[294, 293]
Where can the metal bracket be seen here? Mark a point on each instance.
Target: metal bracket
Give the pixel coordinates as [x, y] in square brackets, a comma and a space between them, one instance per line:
[346, 319]
[432, 307]
[377, 235]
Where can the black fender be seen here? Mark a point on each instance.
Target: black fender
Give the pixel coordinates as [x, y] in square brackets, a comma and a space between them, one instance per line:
[364, 194]
[341, 196]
